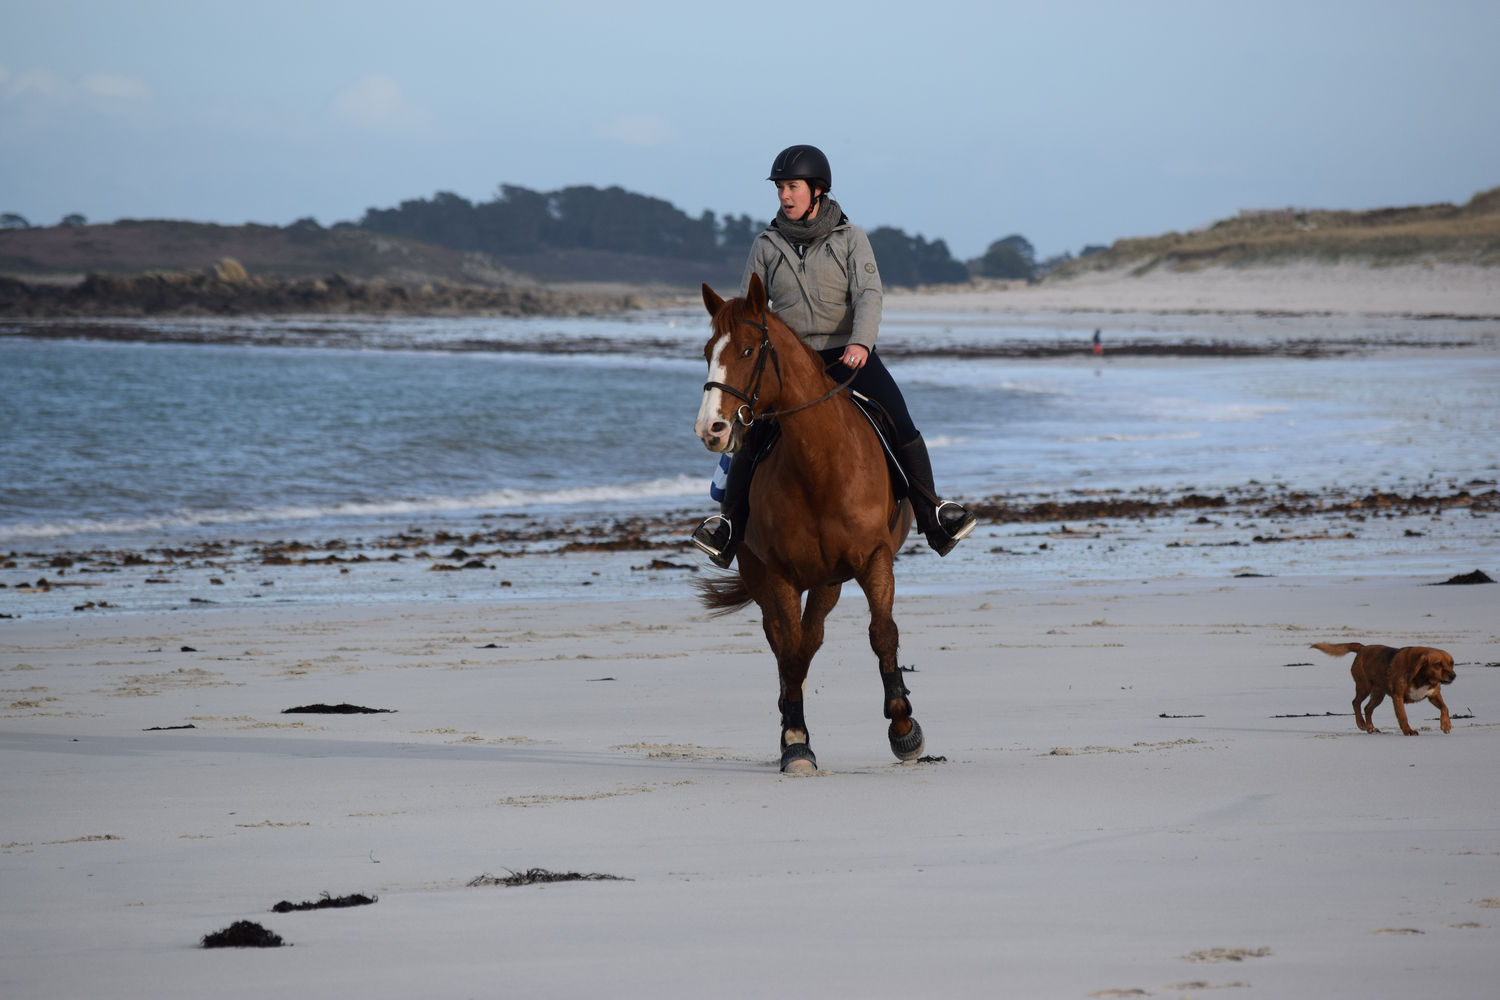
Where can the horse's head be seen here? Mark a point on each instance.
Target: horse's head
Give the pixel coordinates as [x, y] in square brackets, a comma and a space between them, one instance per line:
[738, 354]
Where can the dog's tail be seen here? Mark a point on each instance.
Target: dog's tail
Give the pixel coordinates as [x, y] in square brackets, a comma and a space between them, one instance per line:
[1338, 648]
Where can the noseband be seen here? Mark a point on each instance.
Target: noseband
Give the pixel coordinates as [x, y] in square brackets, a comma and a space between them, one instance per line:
[745, 415]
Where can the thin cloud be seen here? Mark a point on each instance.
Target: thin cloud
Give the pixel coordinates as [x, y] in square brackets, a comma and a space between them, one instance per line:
[643, 130]
[99, 89]
[376, 103]
[37, 84]
[113, 87]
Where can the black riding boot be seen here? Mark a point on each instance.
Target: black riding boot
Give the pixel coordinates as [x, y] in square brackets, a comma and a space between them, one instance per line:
[944, 522]
[719, 535]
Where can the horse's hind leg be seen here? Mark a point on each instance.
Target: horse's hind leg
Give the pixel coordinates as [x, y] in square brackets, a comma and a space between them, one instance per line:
[905, 735]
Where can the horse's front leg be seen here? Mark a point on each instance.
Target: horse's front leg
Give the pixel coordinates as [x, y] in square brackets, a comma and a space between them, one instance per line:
[905, 735]
[794, 637]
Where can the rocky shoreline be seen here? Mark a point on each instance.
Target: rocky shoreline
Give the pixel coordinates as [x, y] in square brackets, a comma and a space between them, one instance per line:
[1250, 515]
[1209, 340]
[227, 291]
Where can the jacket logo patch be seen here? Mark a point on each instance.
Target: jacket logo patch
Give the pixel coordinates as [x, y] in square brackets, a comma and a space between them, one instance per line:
[869, 267]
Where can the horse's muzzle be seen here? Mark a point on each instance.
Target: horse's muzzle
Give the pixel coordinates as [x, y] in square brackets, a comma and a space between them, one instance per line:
[721, 435]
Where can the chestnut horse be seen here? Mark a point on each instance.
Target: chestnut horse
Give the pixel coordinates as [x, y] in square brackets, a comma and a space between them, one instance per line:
[822, 509]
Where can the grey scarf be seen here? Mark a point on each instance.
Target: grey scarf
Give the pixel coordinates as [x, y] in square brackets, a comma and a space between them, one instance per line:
[802, 233]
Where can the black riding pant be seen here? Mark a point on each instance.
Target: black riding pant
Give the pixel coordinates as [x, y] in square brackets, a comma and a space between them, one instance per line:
[875, 381]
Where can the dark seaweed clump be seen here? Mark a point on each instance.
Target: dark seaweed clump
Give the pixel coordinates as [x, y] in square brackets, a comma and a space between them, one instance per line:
[325, 902]
[342, 709]
[242, 934]
[1478, 576]
[533, 876]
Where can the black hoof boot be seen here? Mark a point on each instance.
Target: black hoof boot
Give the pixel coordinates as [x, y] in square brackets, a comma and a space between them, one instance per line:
[910, 746]
[715, 536]
[797, 758]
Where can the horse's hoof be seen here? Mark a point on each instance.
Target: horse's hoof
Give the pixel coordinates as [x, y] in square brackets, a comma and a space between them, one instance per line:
[797, 758]
[910, 746]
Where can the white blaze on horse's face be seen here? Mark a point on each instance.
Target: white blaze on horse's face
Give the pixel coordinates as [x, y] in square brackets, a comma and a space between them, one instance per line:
[717, 431]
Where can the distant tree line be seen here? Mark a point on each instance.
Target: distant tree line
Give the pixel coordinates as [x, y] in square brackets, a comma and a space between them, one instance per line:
[521, 221]
[911, 260]
[1014, 258]
[11, 220]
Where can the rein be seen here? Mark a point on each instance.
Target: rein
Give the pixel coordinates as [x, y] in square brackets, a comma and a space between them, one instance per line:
[746, 414]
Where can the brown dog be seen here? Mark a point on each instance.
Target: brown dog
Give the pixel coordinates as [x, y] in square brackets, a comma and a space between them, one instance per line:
[1408, 675]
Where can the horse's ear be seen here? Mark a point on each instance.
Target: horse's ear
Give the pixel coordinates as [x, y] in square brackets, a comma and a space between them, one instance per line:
[711, 300]
[755, 295]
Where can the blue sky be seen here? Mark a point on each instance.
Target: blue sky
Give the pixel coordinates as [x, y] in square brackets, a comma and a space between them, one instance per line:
[1068, 121]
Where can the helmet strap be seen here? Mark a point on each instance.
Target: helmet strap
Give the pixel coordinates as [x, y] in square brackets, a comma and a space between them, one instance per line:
[812, 204]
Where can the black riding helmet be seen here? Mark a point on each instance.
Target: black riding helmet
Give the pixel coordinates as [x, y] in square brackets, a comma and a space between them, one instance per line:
[804, 163]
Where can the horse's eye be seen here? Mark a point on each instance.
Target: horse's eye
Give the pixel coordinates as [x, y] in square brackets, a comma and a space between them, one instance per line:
[746, 353]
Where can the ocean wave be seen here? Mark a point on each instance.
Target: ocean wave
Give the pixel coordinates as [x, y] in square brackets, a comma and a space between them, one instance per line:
[1189, 409]
[1127, 438]
[946, 441]
[496, 500]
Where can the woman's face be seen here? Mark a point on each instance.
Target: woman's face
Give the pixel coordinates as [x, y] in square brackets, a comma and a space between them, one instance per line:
[796, 198]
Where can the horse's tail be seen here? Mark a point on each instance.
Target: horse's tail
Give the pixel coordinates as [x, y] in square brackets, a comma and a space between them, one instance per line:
[722, 595]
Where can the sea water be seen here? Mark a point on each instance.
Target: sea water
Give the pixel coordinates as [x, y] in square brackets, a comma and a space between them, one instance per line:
[150, 432]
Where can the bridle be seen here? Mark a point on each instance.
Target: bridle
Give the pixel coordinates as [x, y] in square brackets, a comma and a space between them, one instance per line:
[745, 415]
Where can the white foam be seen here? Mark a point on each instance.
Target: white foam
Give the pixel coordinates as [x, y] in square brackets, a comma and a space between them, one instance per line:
[676, 486]
[1096, 438]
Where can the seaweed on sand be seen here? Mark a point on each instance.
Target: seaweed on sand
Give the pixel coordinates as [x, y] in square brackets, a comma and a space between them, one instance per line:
[242, 934]
[1478, 576]
[533, 876]
[325, 902]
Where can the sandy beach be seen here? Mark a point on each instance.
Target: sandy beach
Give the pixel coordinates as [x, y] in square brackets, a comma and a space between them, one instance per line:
[1139, 784]
[1413, 291]
[1152, 788]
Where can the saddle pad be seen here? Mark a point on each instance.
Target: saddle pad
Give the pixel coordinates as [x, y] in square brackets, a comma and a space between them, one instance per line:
[885, 430]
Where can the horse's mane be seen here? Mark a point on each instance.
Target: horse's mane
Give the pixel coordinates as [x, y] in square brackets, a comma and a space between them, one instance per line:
[737, 310]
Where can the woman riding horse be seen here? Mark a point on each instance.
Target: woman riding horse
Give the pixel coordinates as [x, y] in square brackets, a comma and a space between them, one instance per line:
[820, 272]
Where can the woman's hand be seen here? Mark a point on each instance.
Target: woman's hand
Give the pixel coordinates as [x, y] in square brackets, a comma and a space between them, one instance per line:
[854, 357]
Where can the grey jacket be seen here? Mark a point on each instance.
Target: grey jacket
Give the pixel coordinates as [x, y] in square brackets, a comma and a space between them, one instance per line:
[832, 297]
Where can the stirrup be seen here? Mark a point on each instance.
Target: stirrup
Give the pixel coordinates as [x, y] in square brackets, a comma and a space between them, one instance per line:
[940, 538]
[716, 542]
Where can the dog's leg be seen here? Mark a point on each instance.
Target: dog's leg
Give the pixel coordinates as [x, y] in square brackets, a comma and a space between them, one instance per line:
[1368, 722]
[1447, 721]
[1398, 698]
[1361, 690]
